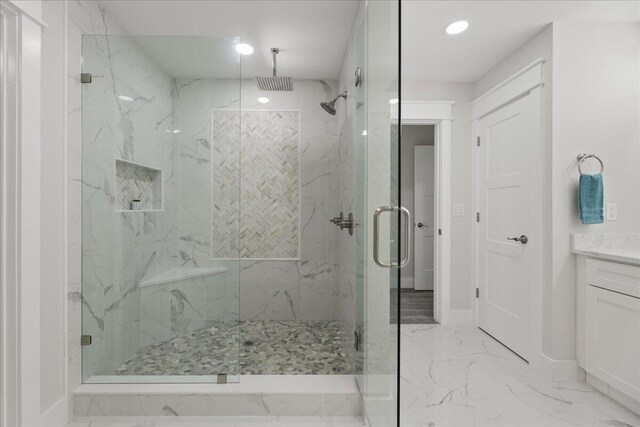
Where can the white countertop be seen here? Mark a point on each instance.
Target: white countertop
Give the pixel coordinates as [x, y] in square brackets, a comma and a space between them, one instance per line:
[613, 247]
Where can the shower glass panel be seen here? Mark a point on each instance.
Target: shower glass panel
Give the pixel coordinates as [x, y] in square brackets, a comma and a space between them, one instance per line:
[160, 209]
[378, 242]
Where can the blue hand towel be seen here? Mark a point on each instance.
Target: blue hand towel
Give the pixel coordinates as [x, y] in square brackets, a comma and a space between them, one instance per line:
[591, 199]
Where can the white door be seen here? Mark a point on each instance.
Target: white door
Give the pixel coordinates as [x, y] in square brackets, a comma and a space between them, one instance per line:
[424, 190]
[506, 267]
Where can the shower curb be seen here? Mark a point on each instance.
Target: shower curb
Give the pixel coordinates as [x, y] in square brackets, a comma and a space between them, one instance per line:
[287, 395]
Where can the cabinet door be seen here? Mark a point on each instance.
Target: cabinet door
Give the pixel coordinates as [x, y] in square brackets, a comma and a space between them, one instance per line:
[613, 339]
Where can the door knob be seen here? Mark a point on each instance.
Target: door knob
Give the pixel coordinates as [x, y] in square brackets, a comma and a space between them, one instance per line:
[522, 239]
[420, 225]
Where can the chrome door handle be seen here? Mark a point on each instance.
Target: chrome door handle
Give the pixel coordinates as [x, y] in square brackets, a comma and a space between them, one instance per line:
[376, 237]
[421, 225]
[522, 239]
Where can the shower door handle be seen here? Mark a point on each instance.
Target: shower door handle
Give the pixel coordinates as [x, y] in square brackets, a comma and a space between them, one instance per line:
[376, 236]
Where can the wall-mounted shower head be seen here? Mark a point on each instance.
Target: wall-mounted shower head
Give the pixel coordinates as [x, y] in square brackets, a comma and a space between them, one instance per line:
[330, 106]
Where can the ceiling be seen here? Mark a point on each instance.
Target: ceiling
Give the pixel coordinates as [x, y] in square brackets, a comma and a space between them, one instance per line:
[496, 29]
[312, 35]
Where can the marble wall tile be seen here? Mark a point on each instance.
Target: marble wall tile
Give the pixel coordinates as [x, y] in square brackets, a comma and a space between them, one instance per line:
[173, 405]
[91, 405]
[169, 310]
[342, 404]
[261, 282]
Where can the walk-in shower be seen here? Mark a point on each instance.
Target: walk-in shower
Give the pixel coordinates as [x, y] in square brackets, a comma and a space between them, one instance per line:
[208, 249]
[208, 254]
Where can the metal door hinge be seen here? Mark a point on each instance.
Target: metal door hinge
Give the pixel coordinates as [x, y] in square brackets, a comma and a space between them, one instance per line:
[356, 340]
[86, 78]
[477, 216]
[477, 292]
[439, 231]
[85, 340]
[222, 378]
[478, 141]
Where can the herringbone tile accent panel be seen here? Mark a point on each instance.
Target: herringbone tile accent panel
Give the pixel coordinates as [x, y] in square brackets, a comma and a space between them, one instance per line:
[255, 184]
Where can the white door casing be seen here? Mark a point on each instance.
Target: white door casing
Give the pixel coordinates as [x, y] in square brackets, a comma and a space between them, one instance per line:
[438, 114]
[506, 268]
[424, 221]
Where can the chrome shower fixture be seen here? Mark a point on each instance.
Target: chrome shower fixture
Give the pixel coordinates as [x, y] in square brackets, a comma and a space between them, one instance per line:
[275, 83]
[330, 106]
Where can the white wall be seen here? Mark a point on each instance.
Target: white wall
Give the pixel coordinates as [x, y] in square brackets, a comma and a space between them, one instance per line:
[461, 150]
[595, 110]
[412, 136]
[590, 103]
[52, 268]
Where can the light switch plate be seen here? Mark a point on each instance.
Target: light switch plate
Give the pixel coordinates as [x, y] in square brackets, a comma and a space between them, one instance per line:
[612, 211]
[458, 210]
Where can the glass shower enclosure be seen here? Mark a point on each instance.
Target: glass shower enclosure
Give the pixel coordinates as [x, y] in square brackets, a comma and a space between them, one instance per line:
[160, 227]
[207, 247]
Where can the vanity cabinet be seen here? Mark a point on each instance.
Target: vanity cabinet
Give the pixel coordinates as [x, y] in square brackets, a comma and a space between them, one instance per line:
[608, 323]
[612, 339]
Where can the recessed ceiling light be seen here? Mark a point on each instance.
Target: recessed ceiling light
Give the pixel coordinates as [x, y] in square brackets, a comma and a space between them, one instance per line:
[263, 100]
[176, 131]
[393, 101]
[125, 98]
[457, 27]
[244, 49]
[172, 131]
[364, 132]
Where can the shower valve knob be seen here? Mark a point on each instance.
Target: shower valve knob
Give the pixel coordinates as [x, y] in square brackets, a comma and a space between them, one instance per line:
[337, 220]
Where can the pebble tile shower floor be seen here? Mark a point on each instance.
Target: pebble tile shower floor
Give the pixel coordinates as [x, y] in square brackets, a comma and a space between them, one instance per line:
[255, 347]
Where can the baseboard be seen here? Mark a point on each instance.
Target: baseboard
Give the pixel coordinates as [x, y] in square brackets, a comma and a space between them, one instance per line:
[557, 369]
[613, 393]
[457, 317]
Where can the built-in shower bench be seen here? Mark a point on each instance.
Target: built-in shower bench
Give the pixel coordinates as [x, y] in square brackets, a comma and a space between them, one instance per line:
[183, 300]
[181, 273]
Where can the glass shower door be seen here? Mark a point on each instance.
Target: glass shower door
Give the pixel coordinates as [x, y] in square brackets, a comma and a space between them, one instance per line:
[384, 224]
[160, 216]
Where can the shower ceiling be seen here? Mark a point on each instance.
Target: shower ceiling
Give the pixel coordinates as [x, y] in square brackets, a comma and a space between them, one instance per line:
[312, 35]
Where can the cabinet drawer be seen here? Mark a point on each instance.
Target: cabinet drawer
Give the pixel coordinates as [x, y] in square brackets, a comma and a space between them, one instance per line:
[617, 277]
[612, 339]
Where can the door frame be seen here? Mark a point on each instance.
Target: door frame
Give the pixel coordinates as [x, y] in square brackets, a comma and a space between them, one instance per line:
[438, 114]
[529, 82]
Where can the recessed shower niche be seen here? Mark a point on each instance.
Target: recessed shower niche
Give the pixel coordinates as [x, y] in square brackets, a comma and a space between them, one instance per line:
[138, 187]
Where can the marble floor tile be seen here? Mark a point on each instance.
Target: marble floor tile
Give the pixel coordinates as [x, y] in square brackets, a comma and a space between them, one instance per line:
[460, 376]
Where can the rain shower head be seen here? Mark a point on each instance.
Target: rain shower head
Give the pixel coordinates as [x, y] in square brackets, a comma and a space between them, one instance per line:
[330, 106]
[275, 83]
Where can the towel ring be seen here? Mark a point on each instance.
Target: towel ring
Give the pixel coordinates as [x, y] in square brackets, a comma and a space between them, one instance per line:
[582, 157]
